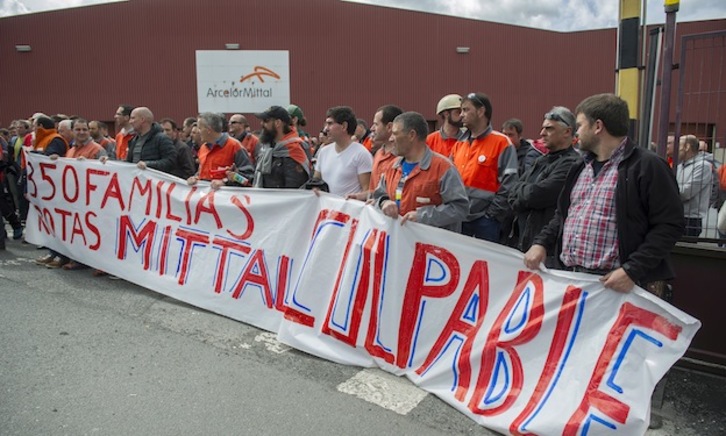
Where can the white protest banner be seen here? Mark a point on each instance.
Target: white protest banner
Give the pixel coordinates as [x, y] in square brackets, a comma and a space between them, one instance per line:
[518, 351]
[245, 81]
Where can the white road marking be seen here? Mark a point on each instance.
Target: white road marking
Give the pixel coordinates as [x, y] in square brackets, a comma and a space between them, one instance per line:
[271, 343]
[385, 390]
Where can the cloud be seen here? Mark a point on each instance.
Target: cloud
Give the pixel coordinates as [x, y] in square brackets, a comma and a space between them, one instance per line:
[12, 7]
[560, 15]
[17, 7]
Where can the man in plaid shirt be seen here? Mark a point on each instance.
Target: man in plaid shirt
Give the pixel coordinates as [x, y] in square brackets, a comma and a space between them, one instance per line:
[619, 213]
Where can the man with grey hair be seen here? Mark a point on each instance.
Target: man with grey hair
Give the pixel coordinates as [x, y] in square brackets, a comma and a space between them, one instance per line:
[420, 186]
[694, 175]
[534, 197]
[65, 129]
[150, 147]
[222, 159]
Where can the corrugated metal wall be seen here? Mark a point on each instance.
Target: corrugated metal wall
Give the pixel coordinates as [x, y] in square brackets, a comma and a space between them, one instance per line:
[88, 60]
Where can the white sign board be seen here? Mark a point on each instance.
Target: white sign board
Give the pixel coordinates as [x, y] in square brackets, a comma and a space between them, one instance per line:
[245, 81]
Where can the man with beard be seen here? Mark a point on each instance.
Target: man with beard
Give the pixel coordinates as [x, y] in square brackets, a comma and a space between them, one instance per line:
[619, 213]
[487, 163]
[443, 140]
[283, 162]
[222, 159]
[534, 196]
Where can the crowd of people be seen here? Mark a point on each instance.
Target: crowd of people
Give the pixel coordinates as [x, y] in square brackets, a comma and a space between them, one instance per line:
[583, 197]
[563, 199]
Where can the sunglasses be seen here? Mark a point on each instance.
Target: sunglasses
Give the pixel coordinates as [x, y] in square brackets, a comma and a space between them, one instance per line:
[475, 98]
[557, 117]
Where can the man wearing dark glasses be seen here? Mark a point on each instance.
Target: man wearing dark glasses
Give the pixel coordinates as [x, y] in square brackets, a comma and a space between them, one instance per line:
[487, 162]
[534, 196]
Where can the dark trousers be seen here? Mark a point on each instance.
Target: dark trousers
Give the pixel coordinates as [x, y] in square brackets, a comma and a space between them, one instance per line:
[482, 228]
[7, 211]
[693, 227]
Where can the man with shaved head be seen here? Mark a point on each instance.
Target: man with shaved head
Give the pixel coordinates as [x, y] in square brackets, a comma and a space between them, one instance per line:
[150, 147]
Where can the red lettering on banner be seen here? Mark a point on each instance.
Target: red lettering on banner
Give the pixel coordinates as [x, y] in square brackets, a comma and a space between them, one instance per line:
[78, 229]
[226, 245]
[248, 218]
[72, 170]
[164, 250]
[64, 214]
[417, 289]
[187, 204]
[33, 193]
[206, 205]
[190, 238]
[43, 167]
[478, 279]
[374, 349]
[565, 317]
[284, 267]
[113, 190]
[260, 278]
[361, 292]
[159, 198]
[630, 315]
[45, 221]
[489, 354]
[143, 190]
[145, 236]
[91, 187]
[169, 214]
[92, 227]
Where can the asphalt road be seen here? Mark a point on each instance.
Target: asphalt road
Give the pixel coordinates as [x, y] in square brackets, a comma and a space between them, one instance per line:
[84, 355]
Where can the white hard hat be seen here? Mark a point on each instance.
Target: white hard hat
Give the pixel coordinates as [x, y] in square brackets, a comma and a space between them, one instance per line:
[451, 101]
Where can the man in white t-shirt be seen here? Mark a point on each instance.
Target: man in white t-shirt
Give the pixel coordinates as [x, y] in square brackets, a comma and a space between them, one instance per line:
[344, 165]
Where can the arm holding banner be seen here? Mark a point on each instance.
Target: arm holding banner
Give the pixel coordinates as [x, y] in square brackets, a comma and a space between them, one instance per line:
[454, 205]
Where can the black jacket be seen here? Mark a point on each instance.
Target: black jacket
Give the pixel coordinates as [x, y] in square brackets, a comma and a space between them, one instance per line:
[157, 150]
[649, 215]
[184, 167]
[534, 197]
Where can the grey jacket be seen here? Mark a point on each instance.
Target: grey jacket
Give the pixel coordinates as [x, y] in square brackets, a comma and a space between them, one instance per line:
[694, 177]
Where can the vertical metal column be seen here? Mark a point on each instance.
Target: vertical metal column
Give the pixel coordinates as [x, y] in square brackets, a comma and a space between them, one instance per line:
[671, 7]
[628, 71]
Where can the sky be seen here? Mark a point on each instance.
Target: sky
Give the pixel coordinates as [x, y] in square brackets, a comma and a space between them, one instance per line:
[559, 15]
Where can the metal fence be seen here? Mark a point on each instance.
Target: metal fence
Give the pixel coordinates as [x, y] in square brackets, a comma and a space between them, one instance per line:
[701, 116]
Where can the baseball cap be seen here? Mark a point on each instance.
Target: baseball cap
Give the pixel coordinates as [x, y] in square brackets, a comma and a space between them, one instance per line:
[295, 111]
[276, 112]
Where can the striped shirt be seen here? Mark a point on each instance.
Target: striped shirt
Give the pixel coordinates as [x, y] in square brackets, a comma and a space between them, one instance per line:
[590, 235]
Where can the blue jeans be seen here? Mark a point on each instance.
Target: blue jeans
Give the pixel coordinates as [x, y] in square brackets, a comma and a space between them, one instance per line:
[485, 228]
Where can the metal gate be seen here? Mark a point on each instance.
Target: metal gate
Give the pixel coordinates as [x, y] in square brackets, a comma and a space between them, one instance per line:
[701, 112]
[700, 261]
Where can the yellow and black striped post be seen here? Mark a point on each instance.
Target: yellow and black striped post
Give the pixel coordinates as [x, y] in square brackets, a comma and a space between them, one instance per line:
[628, 73]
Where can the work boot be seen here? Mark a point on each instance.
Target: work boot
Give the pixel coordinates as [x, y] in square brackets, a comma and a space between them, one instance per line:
[44, 260]
[56, 263]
